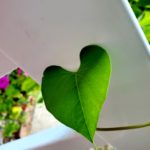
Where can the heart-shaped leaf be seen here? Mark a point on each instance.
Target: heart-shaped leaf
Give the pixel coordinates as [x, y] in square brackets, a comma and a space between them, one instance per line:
[76, 98]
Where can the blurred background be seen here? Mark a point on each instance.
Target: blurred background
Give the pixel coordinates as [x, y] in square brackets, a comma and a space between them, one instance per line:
[141, 9]
[22, 110]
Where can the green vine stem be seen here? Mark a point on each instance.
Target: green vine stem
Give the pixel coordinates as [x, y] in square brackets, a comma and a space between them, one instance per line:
[130, 127]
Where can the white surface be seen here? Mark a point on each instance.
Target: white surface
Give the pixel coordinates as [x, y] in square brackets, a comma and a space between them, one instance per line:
[56, 138]
[39, 33]
[6, 65]
[40, 116]
[48, 136]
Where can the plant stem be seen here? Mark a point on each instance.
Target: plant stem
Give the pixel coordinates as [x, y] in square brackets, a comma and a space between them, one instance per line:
[130, 127]
[95, 146]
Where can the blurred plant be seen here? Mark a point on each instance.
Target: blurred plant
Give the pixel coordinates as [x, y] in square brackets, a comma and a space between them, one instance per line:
[141, 9]
[16, 90]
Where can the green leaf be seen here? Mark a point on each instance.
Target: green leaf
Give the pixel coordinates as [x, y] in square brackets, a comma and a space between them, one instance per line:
[76, 98]
[146, 19]
[141, 9]
[28, 84]
[10, 128]
[11, 91]
[145, 24]
[138, 12]
[144, 2]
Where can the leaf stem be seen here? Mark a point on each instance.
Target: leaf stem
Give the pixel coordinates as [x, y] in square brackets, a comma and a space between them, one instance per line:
[130, 127]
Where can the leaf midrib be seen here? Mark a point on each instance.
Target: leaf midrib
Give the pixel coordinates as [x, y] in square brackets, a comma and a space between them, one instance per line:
[79, 96]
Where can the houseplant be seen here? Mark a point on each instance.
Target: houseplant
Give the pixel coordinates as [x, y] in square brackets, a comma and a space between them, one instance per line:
[76, 98]
[84, 83]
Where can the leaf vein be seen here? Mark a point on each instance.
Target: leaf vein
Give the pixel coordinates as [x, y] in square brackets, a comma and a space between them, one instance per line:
[79, 96]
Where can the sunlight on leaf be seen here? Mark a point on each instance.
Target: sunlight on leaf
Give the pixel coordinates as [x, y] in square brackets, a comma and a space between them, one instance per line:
[76, 98]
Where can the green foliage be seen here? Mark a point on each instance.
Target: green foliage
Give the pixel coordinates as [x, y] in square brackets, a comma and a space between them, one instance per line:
[15, 92]
[141, 9]
[28, 84]
[10, 128]
[76, 98]
[145, 23]
[144, 3]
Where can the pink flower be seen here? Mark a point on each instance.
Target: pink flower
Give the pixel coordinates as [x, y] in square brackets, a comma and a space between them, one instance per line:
[26, 74]
[19, 71]
[4, 82]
